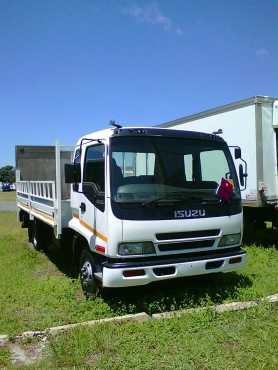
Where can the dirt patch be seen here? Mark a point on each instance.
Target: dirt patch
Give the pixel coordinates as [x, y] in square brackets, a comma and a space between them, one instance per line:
[25, 355]
[7, 206]
[49, 271]
[79, 296]
[92, 358]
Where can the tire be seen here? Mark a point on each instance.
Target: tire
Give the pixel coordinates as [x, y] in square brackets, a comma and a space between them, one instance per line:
[90, 285]
[37, 236]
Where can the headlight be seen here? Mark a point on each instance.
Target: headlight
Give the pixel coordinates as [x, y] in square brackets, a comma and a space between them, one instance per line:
[230, 239]
[138, 248]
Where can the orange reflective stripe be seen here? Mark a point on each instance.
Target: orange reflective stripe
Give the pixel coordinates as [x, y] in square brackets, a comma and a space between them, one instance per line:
[35, 212]
[92, 229]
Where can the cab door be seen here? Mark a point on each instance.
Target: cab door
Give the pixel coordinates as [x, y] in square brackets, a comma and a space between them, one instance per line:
[92, 200]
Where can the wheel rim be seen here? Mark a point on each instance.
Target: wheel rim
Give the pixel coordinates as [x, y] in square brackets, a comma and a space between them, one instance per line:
[35, 242]
[86, 275]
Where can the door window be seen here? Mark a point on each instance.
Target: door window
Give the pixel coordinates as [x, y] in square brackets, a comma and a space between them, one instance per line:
[94, 175]
[75, 187]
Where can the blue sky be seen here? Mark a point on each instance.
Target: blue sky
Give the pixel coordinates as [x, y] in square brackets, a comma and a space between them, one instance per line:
[68, 67]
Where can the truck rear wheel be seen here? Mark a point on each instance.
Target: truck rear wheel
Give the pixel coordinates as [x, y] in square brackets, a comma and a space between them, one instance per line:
[37, 236]
[90, 285]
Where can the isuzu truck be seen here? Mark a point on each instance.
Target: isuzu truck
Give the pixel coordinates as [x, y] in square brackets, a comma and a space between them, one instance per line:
[135, 205]
[253, 124]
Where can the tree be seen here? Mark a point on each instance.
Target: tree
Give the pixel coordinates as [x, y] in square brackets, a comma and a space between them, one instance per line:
[7, 174]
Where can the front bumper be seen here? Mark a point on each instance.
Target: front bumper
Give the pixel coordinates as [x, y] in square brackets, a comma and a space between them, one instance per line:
[113, 276]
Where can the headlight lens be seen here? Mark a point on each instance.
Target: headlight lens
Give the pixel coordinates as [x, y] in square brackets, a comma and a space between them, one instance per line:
[230, 239]
[138, 248]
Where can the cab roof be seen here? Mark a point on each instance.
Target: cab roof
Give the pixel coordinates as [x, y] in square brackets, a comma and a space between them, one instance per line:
[148, 131]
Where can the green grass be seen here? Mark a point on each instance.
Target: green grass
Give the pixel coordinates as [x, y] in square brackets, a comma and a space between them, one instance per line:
[4, 357]
[233, 340]
[35, 293]
[7, 196]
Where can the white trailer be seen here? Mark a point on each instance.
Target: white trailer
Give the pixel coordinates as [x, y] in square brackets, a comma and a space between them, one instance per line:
[251, 124]
[134, 205]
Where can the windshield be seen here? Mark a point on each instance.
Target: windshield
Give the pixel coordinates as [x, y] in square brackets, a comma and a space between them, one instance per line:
[144, 169]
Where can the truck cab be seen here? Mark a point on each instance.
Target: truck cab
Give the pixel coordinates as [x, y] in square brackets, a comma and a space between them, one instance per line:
[147, 205]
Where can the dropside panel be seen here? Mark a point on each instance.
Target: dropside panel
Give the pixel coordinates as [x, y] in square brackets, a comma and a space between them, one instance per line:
[41, 188]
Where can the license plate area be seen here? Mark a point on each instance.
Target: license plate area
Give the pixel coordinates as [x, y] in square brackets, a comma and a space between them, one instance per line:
[162, 271]
[214, 264]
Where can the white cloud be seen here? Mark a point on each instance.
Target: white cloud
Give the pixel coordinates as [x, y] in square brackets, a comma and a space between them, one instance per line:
[262, 53]
[179, 31]
[152, 14]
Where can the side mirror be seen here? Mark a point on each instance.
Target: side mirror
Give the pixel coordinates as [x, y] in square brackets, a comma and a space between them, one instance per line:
[72, 173]
[237, 153]
[242, 176]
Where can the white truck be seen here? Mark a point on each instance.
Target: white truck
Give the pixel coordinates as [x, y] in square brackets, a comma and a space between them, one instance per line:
[253, 124]
[134, 205]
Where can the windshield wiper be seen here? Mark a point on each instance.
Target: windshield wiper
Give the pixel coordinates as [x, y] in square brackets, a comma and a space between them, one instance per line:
[181, 198]
[161, 199]
[210, 201]
[198, 197]
[174, 197]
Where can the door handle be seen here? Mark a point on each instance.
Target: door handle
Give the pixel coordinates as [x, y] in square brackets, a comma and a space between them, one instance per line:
[82, 207]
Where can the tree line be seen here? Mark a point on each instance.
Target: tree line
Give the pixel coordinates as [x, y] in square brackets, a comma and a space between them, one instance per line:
[7, 174]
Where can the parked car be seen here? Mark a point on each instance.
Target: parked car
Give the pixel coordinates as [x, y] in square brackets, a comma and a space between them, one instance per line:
[6, 186]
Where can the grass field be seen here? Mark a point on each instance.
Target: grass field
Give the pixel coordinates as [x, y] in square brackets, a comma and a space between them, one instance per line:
[203, 340]
[7, 195]
[36, 293]
[237, 340]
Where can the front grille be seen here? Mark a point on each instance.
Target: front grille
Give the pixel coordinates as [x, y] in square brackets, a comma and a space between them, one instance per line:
[170, 247]
[188, 234]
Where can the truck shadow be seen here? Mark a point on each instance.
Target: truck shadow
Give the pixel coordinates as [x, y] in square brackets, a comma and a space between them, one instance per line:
[176, 294]
[262, 237]
[62, 259]
[165, 295]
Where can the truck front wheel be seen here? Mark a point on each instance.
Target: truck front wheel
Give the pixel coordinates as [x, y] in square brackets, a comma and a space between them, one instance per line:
[89, 283]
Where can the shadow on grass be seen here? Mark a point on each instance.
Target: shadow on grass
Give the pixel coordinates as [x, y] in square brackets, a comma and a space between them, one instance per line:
[62, 259]
[164, 295]
[266, 238]
[176, 293]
